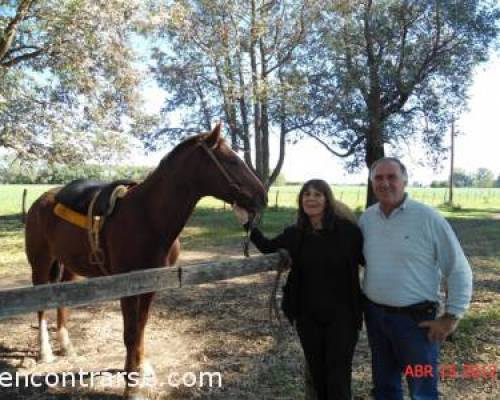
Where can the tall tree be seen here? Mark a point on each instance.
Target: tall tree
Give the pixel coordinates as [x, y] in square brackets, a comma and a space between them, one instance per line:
[235, 59]
[66, 77]
[391, 71]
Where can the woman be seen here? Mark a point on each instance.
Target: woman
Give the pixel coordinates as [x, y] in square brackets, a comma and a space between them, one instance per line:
[322, 294]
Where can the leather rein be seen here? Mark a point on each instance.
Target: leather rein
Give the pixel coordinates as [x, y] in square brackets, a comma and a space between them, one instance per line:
[233, 185]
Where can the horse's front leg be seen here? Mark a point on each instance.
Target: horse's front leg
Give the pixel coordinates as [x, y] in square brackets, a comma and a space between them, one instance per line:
[135, 311]
[45, 355]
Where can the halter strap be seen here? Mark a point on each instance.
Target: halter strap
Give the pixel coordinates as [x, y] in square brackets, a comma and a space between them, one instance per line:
[233, 185]
[219, 166]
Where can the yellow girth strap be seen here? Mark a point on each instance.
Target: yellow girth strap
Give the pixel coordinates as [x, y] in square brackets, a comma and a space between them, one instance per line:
[71, 216]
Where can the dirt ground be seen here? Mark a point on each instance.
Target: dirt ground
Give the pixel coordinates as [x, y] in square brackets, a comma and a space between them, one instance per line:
[221, 327]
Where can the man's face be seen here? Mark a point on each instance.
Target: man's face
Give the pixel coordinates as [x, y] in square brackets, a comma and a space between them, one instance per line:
[388, 184]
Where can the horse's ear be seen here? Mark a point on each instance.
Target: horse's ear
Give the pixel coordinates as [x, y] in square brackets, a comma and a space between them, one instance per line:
[214, 136]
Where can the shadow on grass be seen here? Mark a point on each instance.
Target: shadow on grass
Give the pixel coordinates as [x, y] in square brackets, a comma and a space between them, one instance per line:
[478, 229]
[216, 227]
[11, 224]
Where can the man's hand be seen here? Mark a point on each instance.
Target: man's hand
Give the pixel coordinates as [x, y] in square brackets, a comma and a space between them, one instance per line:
[241, 214]
[439, 329]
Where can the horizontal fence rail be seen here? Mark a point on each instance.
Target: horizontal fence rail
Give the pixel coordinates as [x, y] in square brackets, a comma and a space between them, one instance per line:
[42, 297]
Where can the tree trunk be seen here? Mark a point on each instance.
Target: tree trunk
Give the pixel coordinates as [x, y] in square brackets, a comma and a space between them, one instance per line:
[374, 151]
[264, 117]
[452, 166]
[281, 158]
[283, 132]
[374, 142]
[255, 94]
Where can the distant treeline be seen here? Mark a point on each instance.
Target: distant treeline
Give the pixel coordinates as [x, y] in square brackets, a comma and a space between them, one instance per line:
[58, 173]
[481, 178]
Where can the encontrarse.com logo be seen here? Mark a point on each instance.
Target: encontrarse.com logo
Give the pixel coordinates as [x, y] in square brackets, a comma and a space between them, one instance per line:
[108, 379]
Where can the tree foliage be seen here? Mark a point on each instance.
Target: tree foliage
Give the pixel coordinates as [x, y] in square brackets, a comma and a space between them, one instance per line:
[355, 75]
[66, 77]
[391, 71]
[484, 178]
[235, 59]
[481, 178]
[462, 179]
[41, 172]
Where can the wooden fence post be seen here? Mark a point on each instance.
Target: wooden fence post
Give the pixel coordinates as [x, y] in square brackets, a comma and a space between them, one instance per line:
[25, 193]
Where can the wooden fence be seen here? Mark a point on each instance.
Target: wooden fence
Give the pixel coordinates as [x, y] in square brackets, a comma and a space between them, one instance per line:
[31, 299]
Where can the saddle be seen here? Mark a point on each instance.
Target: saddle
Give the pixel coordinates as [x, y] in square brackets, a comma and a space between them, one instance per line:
[78, 195]
[86, 203]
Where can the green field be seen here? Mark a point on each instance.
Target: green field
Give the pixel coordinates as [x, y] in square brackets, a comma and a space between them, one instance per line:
[355, 196]
[470, 203]
[286, 196]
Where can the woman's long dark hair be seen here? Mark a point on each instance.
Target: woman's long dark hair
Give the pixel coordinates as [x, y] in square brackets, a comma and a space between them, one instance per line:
[303, 222]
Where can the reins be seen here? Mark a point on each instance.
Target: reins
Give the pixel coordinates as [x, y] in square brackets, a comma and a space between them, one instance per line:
[233, 185]
[285, 263]
[252, 219]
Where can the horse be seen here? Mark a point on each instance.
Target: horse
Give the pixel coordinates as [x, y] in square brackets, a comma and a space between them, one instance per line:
[139, 233]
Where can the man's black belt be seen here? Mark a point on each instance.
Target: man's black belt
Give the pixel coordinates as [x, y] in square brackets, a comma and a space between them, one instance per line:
[422, 308]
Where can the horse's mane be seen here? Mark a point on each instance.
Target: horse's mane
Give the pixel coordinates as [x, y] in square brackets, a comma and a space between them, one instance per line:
[180, 147]
[186, 143]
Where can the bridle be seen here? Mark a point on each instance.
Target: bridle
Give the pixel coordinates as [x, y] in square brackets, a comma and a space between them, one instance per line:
[234, 186]
[219, 166]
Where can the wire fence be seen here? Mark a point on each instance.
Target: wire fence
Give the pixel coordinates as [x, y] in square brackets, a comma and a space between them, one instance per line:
[355, 196]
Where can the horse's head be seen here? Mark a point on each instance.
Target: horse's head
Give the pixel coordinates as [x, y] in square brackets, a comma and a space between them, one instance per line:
[224, 175]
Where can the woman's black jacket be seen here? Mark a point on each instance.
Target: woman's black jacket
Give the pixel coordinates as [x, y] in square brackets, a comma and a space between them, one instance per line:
[346, 236]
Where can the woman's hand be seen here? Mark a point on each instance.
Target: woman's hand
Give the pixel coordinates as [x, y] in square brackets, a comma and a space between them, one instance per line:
[241, 214]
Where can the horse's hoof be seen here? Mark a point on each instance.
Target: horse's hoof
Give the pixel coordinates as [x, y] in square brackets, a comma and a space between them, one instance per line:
[27, 363]
[136, 397]
[68, 351]
[147, 370]
[134, 394]
[45, 358]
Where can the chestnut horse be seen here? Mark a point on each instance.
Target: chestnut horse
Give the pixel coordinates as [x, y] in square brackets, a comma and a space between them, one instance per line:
[143, 226]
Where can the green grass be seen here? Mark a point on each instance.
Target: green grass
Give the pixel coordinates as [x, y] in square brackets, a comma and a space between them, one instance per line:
[286, 197]
[11, 197]
[355, 196]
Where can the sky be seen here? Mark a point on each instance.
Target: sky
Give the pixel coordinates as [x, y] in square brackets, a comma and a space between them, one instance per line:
[477, 146]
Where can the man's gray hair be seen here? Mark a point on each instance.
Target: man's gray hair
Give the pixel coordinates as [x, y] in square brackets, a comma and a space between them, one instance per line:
[402, 167]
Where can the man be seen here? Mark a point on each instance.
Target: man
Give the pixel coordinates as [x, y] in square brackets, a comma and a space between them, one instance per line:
[408, 248]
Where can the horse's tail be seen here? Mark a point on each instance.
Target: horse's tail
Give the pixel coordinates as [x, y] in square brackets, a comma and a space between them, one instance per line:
[56, 272]
[23, 206]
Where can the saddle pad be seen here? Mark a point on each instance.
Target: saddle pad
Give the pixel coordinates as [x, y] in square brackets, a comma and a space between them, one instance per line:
[71, 216]
[78, 194]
